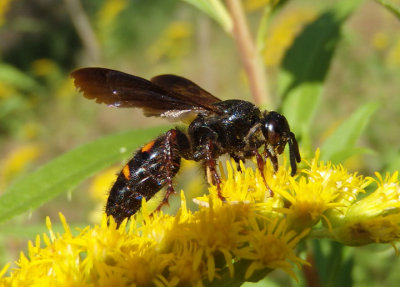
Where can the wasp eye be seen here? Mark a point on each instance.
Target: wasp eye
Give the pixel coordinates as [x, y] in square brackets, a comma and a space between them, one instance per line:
[272, 136]
[276, 131]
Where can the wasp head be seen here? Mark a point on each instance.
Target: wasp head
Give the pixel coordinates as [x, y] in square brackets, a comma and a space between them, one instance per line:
[276, 131]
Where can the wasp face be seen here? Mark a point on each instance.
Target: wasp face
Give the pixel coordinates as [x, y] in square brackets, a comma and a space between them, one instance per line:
[276, 131]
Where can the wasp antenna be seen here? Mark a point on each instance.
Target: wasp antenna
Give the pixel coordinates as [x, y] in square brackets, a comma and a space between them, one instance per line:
[292, 159]
[296, 147]
[294, 153]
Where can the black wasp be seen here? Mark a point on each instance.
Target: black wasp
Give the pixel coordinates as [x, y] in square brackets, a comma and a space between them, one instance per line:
[233, 127]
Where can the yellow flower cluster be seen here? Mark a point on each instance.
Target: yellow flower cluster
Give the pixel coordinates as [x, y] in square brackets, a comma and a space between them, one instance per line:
[254, 232]
[374, 218]
[161, 250]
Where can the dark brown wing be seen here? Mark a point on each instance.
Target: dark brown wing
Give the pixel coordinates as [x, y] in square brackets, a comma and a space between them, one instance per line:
[123, 90]
[183, 86]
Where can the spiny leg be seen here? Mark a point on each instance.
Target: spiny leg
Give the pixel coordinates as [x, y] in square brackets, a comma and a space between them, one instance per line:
[171, 164]
[261, 166]
[170, 190]
[211, 165]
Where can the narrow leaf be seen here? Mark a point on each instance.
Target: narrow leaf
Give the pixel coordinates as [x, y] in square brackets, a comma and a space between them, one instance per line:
[12, 76]
[32, 230]
[341, 144]
[216, 10]
[68, 170]
[391, 6]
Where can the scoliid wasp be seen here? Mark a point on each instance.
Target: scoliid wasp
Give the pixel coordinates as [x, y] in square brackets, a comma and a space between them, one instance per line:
[234, 127]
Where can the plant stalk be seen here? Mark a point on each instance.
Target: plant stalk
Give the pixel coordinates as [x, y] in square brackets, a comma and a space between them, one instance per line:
[249, 55]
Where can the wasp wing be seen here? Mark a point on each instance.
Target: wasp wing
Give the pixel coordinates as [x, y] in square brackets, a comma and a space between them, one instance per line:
[187, 88]
[119, 89]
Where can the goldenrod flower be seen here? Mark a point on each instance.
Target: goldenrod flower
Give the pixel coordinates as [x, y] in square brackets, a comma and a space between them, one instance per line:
[254, 232]
[331, 188]
[271, 246]
[375, 218]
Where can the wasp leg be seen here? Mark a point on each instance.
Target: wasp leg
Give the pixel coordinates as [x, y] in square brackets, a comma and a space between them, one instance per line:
[176, 145]
[272, 157]
[211, 166]
[261, 166]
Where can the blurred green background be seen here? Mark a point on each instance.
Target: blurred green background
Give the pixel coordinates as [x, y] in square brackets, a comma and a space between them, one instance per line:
[42, 115]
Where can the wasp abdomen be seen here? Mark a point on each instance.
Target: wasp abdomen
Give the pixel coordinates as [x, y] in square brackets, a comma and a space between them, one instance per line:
[152, 167]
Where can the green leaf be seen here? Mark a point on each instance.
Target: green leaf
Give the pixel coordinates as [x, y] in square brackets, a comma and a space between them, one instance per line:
[333, 264]
[391, 6]
[306, 65]
[68, 170]
[216, 10]
[341, 144]
[14, 77]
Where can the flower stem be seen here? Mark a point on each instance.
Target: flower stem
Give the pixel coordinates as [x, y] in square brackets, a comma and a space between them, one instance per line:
[248, 53]
[321, 233]
[84, 29]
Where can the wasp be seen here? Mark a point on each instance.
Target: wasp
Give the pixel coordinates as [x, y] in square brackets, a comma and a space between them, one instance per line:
[234, 127]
